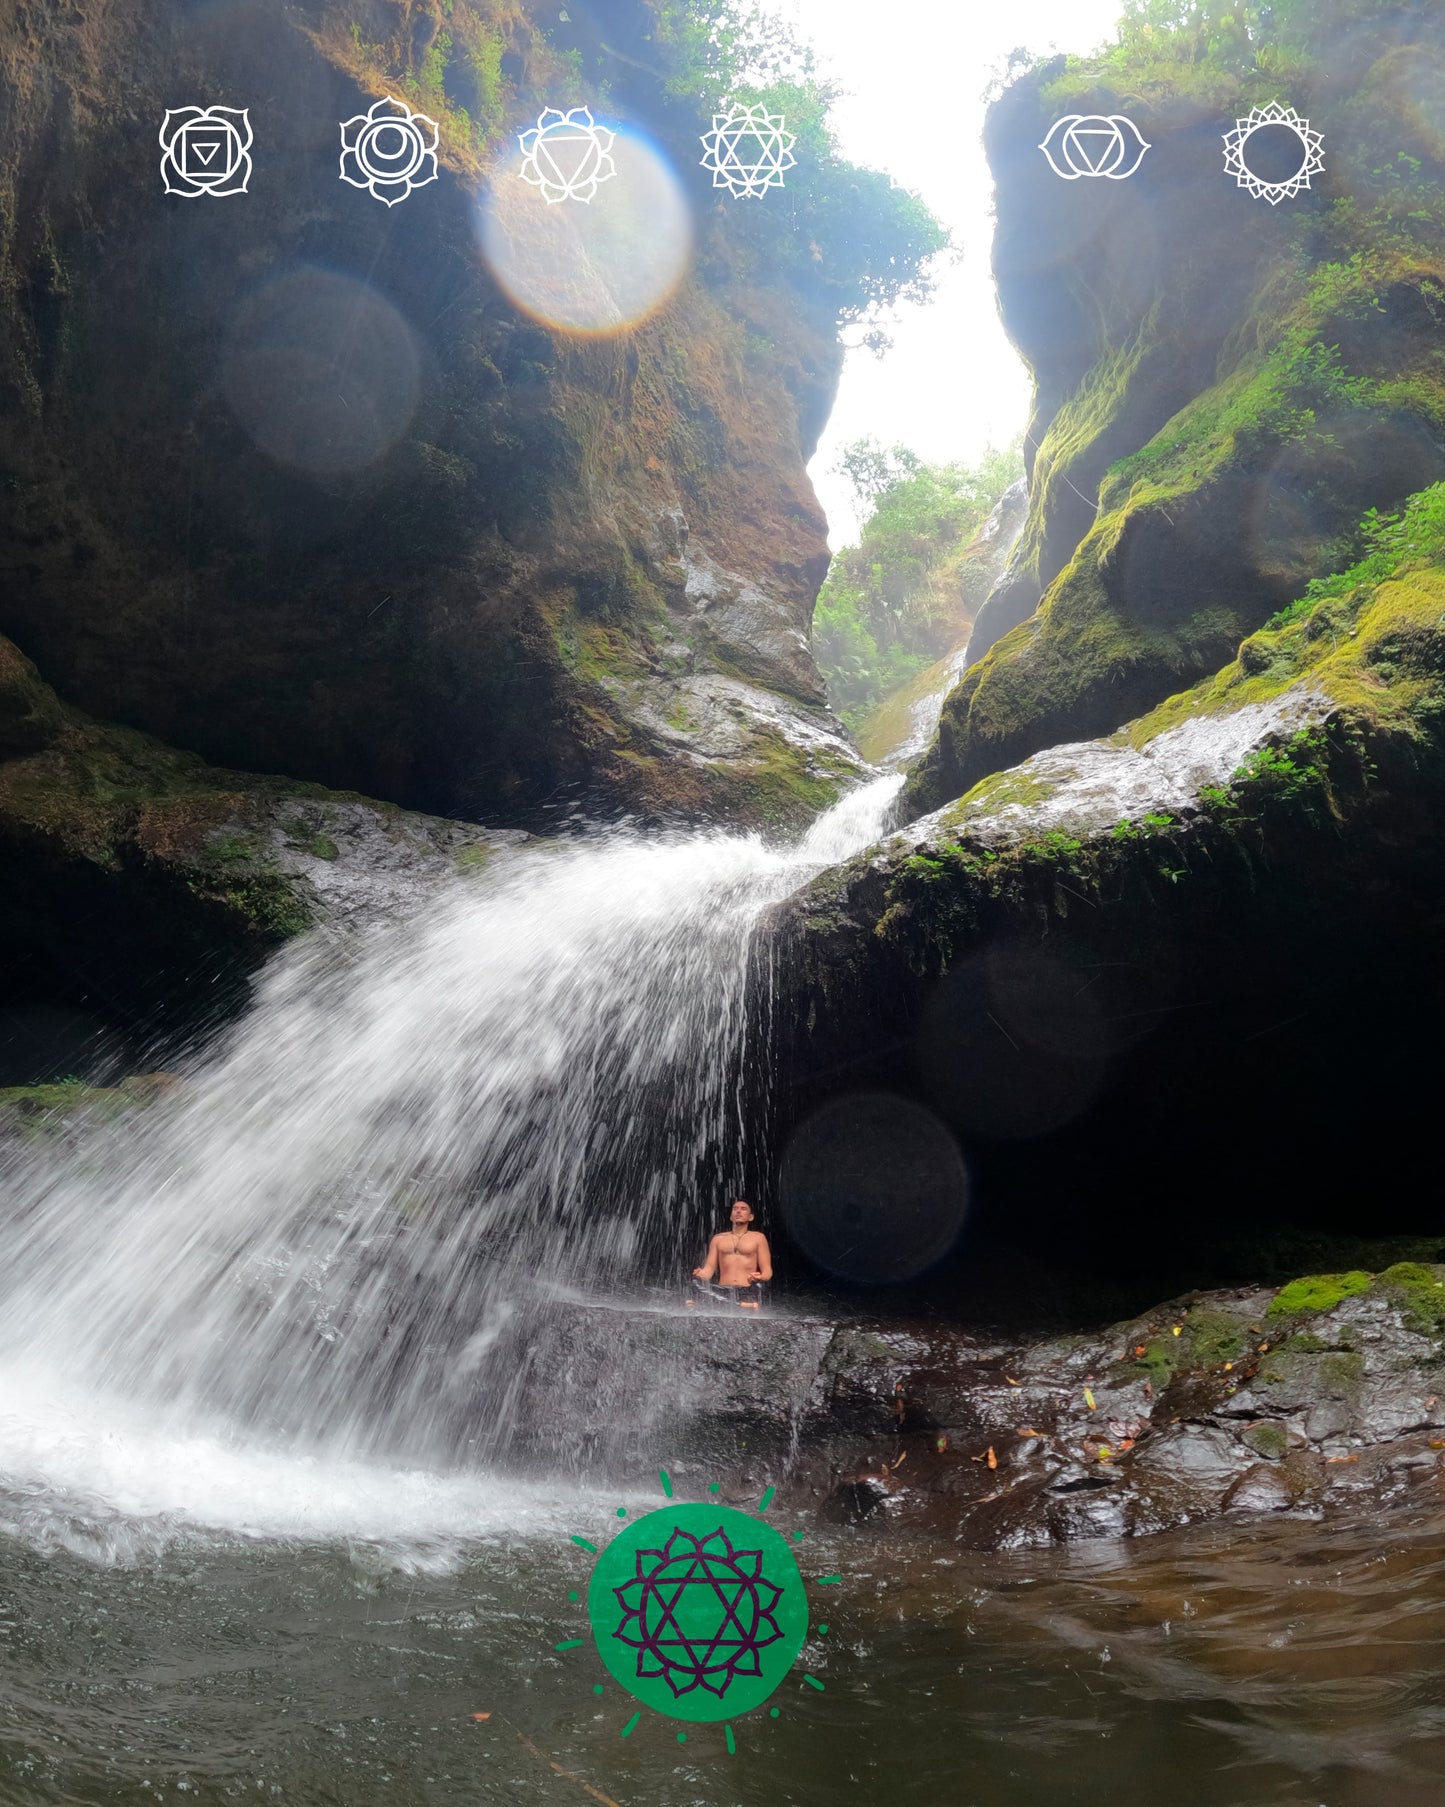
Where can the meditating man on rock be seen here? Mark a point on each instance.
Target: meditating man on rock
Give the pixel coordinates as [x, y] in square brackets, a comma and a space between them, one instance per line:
[740, 1258]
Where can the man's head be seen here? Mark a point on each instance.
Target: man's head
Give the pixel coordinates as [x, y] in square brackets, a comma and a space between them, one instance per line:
[742, 1214]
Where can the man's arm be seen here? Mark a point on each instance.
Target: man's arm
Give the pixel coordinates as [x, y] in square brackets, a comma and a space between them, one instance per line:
[707, 1271]
[763, 1259]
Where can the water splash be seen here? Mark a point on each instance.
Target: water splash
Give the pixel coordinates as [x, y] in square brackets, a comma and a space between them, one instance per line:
[329, 1238]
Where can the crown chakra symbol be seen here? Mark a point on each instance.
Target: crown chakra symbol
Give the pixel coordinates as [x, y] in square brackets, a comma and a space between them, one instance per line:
[748, 150]
[567, 155]
[1088, 144]
[1280, 118]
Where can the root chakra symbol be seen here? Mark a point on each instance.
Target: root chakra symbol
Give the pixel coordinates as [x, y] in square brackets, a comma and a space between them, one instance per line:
[1273, 134]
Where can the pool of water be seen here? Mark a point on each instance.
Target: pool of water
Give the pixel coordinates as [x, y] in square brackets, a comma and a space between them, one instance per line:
[1246, 1664]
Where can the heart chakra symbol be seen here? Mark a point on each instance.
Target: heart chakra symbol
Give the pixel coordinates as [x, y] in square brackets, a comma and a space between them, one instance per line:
[698, 1610]
[1092, 144]
[748, 151]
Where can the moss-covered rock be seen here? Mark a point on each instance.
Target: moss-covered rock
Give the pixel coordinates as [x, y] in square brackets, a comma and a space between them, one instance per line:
[466, 562]
[145, 884]
[1221, 393]
[1123, 945]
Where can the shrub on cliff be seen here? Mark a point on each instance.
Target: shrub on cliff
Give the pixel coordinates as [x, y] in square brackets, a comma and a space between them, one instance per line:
[838, 231]
[890, 605]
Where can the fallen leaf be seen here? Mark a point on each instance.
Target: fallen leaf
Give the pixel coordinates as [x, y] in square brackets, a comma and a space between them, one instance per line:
[1228, 1366]
[481, 1715]
[1177, 1329]
[1142, 1349]
[1128, 1443]
[1025, 1431]
[1264, 1348]
[1089, 1399]
[1354, 1458]
[1012, 1382]
[940, 1444]
[1437, 1443]
[992, 1458]
[1105, 1452]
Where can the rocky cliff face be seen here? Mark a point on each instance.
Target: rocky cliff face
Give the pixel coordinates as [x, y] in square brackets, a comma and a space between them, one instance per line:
[290, 482]
[1223, 387]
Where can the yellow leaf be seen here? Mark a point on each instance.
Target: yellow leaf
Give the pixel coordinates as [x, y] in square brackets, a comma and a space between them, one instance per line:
[992, 1458]
[1177, 1329]
[1104, 1452]
[1088, 1399]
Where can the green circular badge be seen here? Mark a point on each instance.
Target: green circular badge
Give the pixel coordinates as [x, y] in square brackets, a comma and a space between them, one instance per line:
[699, 1611]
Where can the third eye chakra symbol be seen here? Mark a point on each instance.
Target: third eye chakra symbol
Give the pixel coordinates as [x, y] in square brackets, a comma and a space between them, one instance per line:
[1273, 153]
[748, 150]
[389, 150]
[1092, 144]
[567, 155]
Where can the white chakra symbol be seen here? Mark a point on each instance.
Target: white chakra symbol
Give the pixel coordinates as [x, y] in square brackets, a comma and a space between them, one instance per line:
[1092, 144]
[1300, 160]
[389, 150]
[748, 150]
[206, 150]
[567, 155]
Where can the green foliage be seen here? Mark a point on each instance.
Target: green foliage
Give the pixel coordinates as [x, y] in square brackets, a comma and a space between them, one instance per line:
[890, 605]
[840, 231]
[1391, 544]
[1316, 1292]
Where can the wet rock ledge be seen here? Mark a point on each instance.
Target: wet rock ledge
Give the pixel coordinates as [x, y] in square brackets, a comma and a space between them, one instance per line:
[1325, 1393]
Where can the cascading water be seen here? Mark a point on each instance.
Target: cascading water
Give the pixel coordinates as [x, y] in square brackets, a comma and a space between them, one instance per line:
[330, 1237]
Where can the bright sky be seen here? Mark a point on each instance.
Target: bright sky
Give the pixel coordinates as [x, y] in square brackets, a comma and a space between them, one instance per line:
[915, 72]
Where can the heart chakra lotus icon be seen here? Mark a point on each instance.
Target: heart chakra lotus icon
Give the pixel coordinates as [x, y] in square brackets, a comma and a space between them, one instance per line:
[698, 1611]
[1088, 144]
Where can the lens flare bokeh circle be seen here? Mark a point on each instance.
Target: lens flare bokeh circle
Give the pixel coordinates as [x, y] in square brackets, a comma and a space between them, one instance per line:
[596, 267]
[321, 371]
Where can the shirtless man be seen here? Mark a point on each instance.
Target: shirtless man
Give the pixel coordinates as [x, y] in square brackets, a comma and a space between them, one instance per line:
[739, 1257]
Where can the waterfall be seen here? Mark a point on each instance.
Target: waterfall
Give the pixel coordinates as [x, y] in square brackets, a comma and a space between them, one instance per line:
[330, 1235]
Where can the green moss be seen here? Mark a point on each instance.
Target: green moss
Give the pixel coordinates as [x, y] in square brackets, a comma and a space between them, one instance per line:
[1419, 1291]
[1316, 1292]
[1267, 1439]
[473, 859]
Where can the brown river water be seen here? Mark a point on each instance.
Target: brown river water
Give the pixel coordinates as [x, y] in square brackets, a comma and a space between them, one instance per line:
[1248, 1663]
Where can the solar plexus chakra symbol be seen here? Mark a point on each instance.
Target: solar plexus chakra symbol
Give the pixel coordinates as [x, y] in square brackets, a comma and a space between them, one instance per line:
[698, 1610]
[567, 155]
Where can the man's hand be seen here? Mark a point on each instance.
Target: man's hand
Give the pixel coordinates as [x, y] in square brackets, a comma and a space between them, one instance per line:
[699, 1273]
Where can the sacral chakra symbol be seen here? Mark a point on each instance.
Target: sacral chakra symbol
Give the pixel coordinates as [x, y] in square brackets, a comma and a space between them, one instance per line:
[1090, 144]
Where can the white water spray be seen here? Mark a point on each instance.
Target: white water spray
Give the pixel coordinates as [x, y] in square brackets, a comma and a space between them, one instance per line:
[321, 1240]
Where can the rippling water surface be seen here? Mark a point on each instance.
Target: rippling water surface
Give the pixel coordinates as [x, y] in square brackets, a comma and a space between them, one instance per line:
[1266, 1664]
